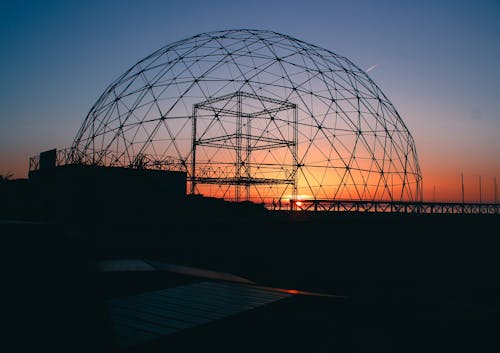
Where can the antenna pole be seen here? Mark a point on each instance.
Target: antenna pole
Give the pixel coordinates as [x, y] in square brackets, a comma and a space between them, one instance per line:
[193, 152]
[463, 195]
[480, 191]
[496, 190]
[463, 191]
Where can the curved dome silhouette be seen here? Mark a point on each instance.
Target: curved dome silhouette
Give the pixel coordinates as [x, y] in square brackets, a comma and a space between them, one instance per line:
[258, 115]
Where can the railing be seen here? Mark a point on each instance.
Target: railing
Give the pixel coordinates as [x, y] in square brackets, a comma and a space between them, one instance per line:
[34, 163]
[395, 207]
[61, 159]
[142, 161]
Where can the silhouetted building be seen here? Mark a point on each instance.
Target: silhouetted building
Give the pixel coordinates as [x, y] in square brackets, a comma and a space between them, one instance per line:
[78, 191]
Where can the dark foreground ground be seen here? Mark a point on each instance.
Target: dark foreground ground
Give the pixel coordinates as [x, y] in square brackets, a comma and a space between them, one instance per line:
[414, 283]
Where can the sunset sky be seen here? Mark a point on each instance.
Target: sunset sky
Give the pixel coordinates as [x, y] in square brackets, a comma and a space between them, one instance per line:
[437, 61]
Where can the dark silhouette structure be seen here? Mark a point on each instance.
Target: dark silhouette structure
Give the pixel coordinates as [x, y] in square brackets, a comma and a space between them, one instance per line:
[254, 115]
[69, 191]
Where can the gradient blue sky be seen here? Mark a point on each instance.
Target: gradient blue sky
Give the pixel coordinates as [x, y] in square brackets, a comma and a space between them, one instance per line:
[438, 61]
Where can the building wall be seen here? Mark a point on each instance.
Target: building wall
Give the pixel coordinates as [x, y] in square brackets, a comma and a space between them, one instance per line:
[95, 192]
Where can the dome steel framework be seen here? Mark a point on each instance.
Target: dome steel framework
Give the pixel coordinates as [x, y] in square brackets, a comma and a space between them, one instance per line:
[255, 115]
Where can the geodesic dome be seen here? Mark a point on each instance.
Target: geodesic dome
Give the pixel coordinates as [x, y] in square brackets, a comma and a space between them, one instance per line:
[258, 115]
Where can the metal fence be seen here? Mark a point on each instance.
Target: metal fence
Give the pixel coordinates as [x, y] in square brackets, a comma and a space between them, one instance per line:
[395, 207]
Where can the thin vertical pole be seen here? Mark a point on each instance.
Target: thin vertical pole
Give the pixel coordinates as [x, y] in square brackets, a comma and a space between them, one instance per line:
[463, 190]
[480, 191]
[247, 157]
[295, 150]
[392, 187]
[422, 190]
[238, 147]
[463, 194]
[496, 190]
[193, 153]
[421, 195]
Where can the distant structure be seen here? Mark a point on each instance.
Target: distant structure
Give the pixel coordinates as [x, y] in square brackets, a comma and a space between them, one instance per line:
[254, 115]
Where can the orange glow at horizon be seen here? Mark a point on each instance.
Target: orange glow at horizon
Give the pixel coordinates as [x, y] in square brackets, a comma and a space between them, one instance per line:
[439, 184]
[449, 188]
[436, 187]
[441, 180]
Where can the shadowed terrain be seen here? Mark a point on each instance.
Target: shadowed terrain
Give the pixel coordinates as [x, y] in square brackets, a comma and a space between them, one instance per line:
[413, 283]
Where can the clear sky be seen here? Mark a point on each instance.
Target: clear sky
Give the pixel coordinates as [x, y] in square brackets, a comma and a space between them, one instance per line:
[437, 61]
